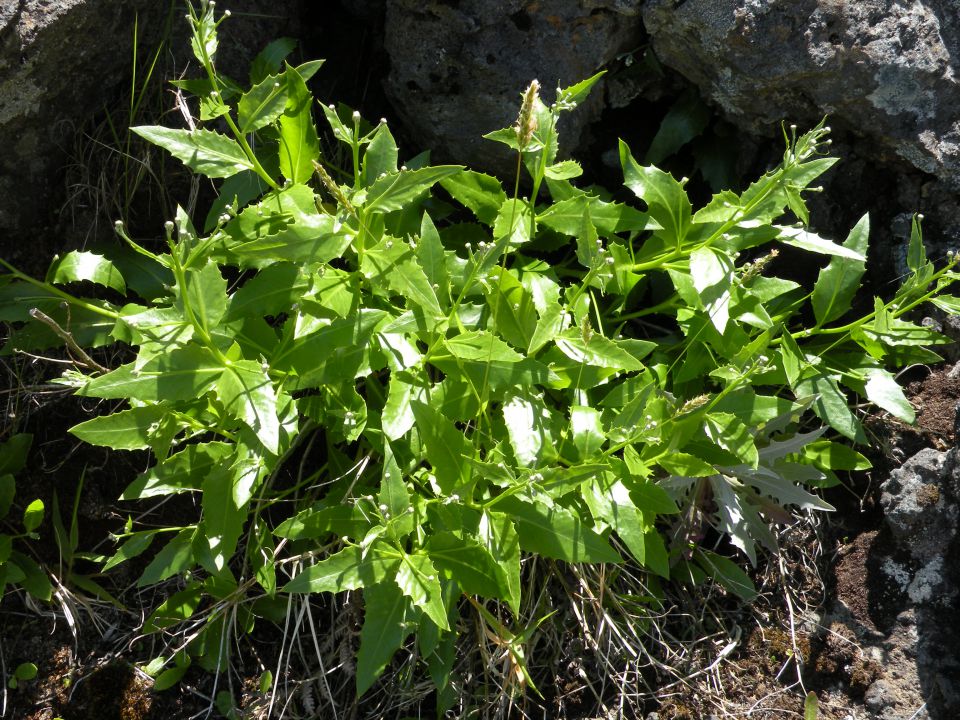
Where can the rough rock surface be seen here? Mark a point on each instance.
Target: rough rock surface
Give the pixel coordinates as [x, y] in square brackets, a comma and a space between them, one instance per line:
[908, 584]
[457, 69]
[62, 61]
[885, 69]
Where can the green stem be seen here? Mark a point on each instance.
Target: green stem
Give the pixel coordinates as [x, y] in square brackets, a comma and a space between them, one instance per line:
[112, 314]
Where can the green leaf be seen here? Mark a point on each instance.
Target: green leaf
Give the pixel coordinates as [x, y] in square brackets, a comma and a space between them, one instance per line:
[272, 291]
[385, 627]
[33, 515]
[666, 200]
[834, 456]
[556, 533]
[884, 392]
[838, 282]
[608, 218]
[564, 170]
[175, 609]
[203, 151]
[180, 374]
[206, 293]
[248, 394]
[610, 502]
[336, 573]
[512, 307]
[134, 546]
[831, 406]
[569, 97]
[285, 225]
[712, 274]
[226, 492]
[480, 345]
[341, 520]
[417, 578]
[447, 449]
[381, 156]
[126, 430]
[685, 120]
[729, 433]
[77, 265]
[586, 428]
[805, 240]
[269, 60]
[262, 104]
[180, 472]
[397, 417]
[528, 422]
[728, 574]
[396, 190]
[685, 465]
[8, 490]
[393, 264]
[175, 557]
[13, 453]
[299, 144]
[596, 350]
[482, 194]
[469, 563]
[499, 536]
[432, 258]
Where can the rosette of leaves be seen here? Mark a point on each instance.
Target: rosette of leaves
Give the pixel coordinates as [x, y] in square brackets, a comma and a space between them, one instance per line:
[487, 374]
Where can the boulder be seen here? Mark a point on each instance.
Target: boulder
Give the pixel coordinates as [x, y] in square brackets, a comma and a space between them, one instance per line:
[457, 69]
[885, 70]
[64, 61]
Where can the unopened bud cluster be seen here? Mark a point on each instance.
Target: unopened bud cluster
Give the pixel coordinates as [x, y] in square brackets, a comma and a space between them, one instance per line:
[527, 119]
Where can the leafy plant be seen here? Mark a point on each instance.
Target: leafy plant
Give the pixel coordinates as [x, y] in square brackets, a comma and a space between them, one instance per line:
[562, 374]
[16, 567]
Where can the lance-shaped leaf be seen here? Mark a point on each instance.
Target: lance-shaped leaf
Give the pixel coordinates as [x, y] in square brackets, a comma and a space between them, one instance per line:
[480, 193]
[247, 393]
[839, 281]
[349, 569]
[181, 472]
[805, 240]
[125, 430]
[381, 155]
[417, 578]
[447, 449]
[226, 492]
[596, 350]
[556, 533]
[385, 627]
[182, 374]
[203, 151]
[469, 563]
[396, 190]
[262, 104]
[499, 536]
[78, 265]
[529, 428]
[666, 200]
[393, 264]
[884, 392]
[206, 294]
[712, 274]
[299, 144]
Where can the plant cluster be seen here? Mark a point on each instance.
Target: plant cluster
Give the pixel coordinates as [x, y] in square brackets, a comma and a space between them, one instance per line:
[398, 379]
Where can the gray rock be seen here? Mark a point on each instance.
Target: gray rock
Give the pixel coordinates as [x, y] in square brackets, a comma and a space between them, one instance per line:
[886, 70]
[62, 61]
[920, 506]
[457, 69]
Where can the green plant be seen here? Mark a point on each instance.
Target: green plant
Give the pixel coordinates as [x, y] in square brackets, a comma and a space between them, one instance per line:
[371, 390]
[16, 567]
[22, 673]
